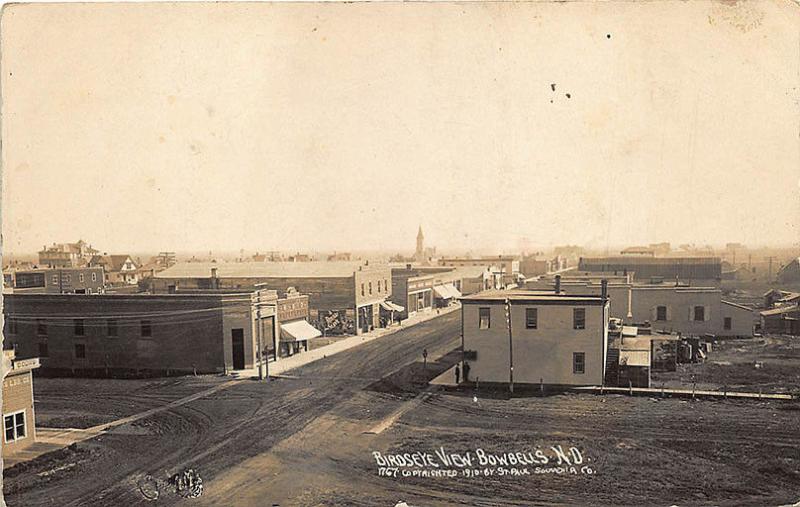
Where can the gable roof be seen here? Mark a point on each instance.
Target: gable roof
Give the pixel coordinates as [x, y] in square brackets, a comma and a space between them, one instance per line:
[110, 262]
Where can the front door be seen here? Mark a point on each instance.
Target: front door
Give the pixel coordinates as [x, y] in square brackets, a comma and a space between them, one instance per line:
[238, 348]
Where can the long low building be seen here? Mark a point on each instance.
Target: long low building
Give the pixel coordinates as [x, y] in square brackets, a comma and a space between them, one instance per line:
[556, 339]
[140, 334]
[344, 297]
[67, 280]
[665, 307]
[700, 271]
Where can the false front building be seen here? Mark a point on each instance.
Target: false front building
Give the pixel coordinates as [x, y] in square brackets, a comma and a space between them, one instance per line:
[556, 339]
[343, 297]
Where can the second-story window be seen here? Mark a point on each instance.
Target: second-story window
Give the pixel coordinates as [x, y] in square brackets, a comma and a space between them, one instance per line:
[370, 288]
[579, 318]
[531, 318]
[147, 329]
[78, 327]
[362, 289]
[699, 313]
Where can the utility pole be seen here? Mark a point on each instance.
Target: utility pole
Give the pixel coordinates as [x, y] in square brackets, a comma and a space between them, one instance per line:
[263, 362]
[510, 348]
[260, 354]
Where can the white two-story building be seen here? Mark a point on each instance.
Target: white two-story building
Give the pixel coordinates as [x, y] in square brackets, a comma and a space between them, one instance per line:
[556, 339]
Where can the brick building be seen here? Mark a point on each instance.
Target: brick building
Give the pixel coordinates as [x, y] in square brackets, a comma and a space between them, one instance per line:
[19, 428]
[347, 295]
[138, 334]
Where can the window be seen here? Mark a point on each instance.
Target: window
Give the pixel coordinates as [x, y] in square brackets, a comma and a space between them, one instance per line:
[14, 426]
[41, 328]
[531, 318]
[370, 288]
[12, 326]
[67, 278]
[699, 313]
[78, 327]
[80, 351]
[579, 318]
[43, 349]
[728, 324]
[55, 279]
[81, 277]
[362, 289]
[578, 362]
[147, 329]
[111, 326]
[661, 313]
[484, 318]
[94, 277]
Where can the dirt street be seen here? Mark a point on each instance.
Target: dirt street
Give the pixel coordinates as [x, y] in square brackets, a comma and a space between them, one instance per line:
[216, 433]
[309, 440]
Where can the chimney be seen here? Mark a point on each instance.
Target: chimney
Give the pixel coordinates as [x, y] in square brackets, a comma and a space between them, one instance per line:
[558, 284]
[604, 289]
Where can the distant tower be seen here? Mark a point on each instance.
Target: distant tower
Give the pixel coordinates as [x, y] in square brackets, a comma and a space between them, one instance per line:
[419, 255]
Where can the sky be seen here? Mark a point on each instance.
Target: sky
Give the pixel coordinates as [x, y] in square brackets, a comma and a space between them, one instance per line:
[347, 126]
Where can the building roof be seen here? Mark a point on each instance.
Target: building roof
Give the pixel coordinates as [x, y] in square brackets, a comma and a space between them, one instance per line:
[541, 297]
[110, 262]
[639, 250]
[483, 259]
[634, 357]
[735, 305]
[313, 269]
[780, 310]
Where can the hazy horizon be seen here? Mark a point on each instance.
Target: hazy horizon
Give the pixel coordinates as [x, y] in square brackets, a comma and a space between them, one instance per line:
[301, 127]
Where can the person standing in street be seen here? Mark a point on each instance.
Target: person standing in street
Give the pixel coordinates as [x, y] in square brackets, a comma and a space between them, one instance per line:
[458, 375]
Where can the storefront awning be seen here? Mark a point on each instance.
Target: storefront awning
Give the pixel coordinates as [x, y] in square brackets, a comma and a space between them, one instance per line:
[446, 291]
[298, 330]
[441, 292]
[391, 307]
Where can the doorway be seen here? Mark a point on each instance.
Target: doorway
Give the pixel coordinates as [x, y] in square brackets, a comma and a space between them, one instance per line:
[237, 336]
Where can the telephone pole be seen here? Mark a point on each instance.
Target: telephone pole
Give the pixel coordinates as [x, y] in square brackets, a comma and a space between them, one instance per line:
[263, 362]
[510, 348]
